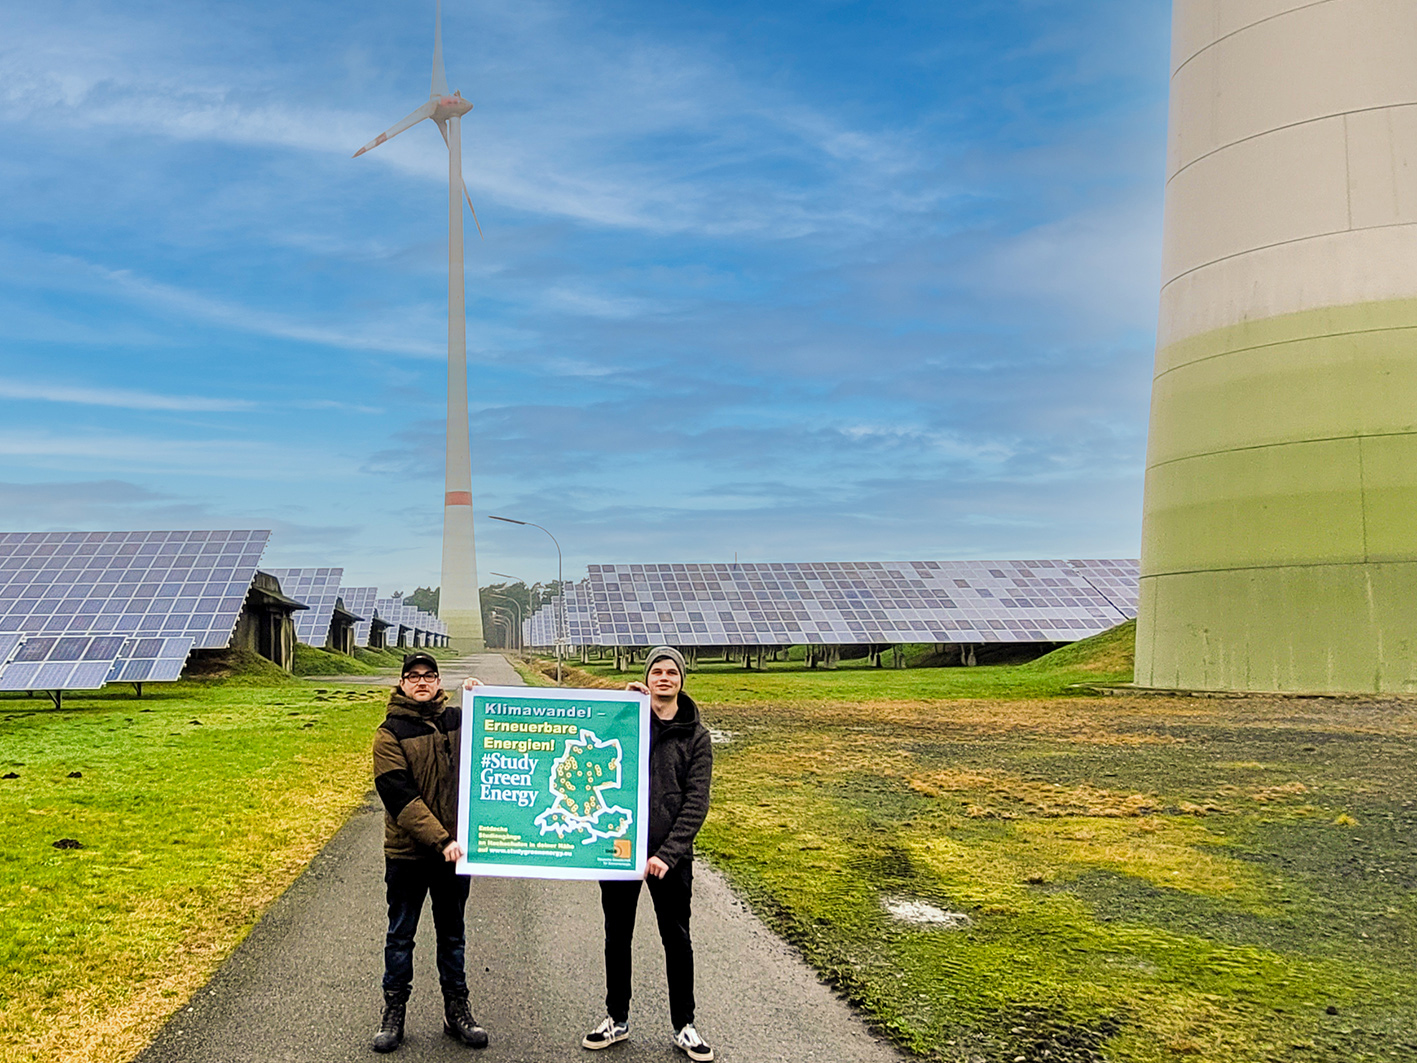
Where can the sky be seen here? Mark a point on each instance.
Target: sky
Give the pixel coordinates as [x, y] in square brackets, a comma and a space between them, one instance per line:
[795, 281]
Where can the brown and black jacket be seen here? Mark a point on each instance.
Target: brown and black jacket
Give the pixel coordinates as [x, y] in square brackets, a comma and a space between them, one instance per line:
[416, 775]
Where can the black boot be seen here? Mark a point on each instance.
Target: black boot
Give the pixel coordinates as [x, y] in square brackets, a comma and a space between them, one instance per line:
[390, 1034]
[459, 1024]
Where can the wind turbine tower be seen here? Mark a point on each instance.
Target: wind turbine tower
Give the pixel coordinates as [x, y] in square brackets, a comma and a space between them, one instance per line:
[1279, 532]
[458, 604]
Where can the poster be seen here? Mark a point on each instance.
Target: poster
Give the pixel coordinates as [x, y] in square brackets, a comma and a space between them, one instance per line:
[554, 783]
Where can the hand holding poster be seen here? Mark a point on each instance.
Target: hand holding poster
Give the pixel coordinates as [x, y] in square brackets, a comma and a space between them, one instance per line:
[554, 783]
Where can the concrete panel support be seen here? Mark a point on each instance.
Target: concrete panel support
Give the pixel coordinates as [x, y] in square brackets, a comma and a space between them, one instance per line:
[1279, 549]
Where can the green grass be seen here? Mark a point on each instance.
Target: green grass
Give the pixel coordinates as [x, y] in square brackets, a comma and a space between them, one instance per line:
[311, 660]
[530, 674]
[1148, 878]
[195, 807]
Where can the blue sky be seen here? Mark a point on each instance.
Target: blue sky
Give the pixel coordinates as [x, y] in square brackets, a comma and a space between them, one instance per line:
[798, 281]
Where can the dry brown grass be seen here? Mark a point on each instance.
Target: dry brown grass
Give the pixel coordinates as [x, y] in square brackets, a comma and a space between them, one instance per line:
[575, 677]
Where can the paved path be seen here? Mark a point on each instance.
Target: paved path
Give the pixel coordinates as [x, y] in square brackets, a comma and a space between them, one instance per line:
[304, 987]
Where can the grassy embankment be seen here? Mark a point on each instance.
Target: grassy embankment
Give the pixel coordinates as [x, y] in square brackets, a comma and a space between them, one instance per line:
[312, 660]
[195, 807]
[1146, 878]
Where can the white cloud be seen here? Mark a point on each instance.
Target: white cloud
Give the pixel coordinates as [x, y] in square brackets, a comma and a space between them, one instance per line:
[120, 398]
[263, 322]
[91, 451]
[568, 144]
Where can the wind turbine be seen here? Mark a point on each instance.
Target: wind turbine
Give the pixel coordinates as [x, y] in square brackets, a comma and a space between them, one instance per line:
[458, 604]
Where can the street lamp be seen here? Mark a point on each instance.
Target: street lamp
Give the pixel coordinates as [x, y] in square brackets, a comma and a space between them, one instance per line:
[501, 616]
[515, 605]
[560, 609]
[521, 644]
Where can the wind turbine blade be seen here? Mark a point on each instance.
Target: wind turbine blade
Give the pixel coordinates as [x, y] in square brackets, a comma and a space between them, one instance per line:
[440, 78]
[426, 111]
[442, 128]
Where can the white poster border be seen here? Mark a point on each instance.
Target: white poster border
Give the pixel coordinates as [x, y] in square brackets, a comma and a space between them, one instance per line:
[467, 760]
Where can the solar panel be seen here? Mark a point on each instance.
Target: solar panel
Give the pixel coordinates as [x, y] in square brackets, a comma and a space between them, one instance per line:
[1118, 581]
[540, 628]
[316, 587]
[150, 660]
[62, 662]
[579, 617]
[9, 642]
[360, 602]
[163, 583]
[843, 603]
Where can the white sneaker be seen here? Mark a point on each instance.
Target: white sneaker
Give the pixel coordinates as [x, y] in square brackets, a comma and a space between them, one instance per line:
[693, 1045]
[607, 1033]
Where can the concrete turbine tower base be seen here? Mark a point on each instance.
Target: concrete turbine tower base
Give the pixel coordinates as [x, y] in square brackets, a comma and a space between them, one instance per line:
[458, 603]
[1279, 546]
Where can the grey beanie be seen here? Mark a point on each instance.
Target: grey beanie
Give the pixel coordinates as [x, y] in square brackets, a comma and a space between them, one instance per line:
[659, 653]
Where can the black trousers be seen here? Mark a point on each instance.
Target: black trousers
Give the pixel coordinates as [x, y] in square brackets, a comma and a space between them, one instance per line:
[671, 896]
[408, 882]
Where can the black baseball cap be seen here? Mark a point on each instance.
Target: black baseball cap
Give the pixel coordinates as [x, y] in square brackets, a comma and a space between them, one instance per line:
[425, 659]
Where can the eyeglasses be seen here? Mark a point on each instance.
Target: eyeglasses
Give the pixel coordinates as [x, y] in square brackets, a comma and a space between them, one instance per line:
[422, 677]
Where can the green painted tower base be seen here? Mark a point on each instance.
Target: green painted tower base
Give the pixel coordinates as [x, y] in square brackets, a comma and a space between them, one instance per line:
[1280, 539]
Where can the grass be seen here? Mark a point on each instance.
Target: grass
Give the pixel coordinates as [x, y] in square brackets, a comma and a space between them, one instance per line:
[195, 807]
[1146, 878]
[311, 660]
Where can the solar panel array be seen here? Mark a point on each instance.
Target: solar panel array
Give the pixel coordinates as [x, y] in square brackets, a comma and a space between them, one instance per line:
[87, 662]
[844, 603]
[96, 607]
[540, 628]
[139, 583]
[78, 609]
[316, 587]
[360, 602]
[395, 613]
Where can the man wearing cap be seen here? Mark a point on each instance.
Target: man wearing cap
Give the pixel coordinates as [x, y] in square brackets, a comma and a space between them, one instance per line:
[416, 775]
[680, 767]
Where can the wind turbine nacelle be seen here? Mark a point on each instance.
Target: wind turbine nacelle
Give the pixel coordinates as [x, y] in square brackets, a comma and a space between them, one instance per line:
[446, 107]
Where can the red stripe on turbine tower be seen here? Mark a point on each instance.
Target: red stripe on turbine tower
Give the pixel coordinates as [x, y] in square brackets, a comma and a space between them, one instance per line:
[457, 498]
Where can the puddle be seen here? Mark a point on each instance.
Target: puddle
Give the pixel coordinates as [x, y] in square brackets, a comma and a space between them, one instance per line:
[912, 911]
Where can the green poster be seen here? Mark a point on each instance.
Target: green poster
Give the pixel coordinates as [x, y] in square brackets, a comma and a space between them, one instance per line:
[554, 783]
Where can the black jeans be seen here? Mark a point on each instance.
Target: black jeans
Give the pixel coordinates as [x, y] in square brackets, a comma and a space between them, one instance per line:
[671, 895]
[408, 882]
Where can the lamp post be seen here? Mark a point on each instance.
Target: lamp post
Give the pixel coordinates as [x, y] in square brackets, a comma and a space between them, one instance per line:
[521, 642]
[560, 611]
[515, 605]
[502, 617]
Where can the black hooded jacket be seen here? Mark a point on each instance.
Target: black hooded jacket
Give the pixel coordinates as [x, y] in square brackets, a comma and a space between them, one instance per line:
[680, 770]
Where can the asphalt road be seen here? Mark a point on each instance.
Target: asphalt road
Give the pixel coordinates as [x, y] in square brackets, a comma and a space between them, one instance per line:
[304, 986]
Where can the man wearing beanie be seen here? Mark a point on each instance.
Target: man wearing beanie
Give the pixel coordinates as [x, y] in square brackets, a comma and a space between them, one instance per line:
[416, 775]
[680, 767]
